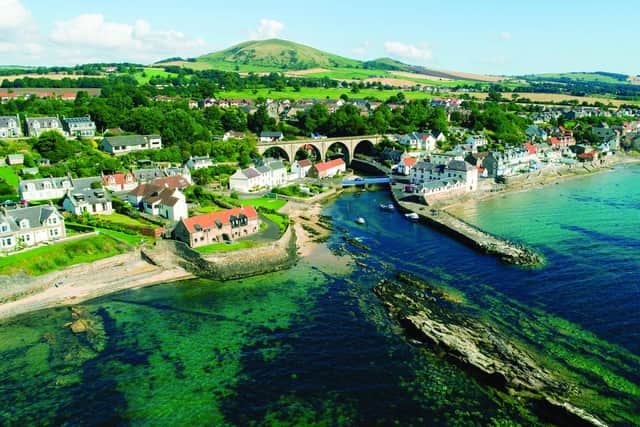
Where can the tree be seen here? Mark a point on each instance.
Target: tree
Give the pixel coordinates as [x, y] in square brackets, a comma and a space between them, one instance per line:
[260, 120]
[53, 146]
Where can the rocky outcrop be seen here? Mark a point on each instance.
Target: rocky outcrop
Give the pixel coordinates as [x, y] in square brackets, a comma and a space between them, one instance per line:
[439, 319]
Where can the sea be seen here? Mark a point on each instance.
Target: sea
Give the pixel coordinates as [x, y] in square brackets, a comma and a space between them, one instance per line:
[313, 345]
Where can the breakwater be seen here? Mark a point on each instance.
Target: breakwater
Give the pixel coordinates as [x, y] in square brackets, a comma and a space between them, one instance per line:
[509, 252]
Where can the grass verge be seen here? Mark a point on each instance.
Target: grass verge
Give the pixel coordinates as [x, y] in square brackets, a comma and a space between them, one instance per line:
[57, 256]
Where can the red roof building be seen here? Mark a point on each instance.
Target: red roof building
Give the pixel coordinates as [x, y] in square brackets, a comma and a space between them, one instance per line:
[327, 169]
[217, 227]
[120, 181]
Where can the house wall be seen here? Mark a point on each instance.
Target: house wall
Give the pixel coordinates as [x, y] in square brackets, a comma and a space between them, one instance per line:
[217, 235]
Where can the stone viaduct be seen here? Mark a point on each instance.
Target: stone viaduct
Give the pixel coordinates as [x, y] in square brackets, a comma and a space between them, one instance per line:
[348, 146]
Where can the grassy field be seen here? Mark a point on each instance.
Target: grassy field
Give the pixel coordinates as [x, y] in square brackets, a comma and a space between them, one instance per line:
[9, 176]
[55, 257]
[264, 202]
[225, 247]
[580, 77]
[322, 93]
[147, 73]
[131, 239]
[557, 98]
[55, 90]
[51, 76]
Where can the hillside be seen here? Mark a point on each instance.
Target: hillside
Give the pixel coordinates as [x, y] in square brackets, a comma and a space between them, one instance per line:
[582, 77]
[276, 54]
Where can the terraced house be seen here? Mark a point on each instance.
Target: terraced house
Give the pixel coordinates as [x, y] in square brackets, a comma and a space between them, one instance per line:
[33, 190]
[79, 126]
[125, 144]
[30, 226]
[38, 125]
[10, 126]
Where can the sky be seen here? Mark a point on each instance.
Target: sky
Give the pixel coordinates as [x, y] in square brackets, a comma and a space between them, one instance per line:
[482, 36]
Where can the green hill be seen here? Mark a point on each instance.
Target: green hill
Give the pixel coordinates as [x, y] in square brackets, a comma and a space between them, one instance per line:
[386, 64]
[276, 54]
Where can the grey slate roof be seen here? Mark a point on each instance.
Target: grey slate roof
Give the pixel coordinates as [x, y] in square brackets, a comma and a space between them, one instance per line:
[250, 173]
[269, 134]
[4, 121]
[129, 140]
[263, 169]
[91, 196]
[145, 175]
[276, 165]
[83, 183]
[44, 122]
[86, 120]
[55, 182]
[459, 165]
[36, 215]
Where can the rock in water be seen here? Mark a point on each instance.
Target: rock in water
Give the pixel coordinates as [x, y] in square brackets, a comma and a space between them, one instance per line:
[431, 315]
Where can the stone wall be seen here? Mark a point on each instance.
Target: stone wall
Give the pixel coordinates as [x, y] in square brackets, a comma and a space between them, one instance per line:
[266, 258]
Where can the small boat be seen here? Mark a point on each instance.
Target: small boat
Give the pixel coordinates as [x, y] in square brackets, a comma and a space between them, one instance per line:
[387, 206]
[412, 216]
[360, 220]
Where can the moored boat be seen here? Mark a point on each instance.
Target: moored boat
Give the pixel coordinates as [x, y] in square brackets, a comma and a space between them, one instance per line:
[361, 220]
[412, 216]
[387, 206]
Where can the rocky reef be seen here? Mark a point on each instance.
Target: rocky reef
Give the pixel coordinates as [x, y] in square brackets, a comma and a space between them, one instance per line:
[441, 320]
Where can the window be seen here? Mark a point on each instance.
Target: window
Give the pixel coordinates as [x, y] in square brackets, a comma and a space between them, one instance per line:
[4, 228]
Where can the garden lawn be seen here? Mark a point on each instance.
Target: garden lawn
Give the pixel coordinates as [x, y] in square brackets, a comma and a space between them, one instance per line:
[118, 218]
[264, 202]
[225, 247]
[131, 239]
[9, 176]
[58, 256]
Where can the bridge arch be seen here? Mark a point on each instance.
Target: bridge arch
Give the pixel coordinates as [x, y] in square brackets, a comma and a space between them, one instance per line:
[338, 149]
[308, 151]
[277, 152]
[365, 147]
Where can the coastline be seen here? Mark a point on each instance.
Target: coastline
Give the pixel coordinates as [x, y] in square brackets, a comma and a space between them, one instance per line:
[533, 181]
[149, 267]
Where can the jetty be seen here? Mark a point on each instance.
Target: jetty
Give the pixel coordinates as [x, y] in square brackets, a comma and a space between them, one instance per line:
[509, 252]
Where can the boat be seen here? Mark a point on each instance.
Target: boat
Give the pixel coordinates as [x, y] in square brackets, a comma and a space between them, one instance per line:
[412, 216]
[360, 220]
[387, 206]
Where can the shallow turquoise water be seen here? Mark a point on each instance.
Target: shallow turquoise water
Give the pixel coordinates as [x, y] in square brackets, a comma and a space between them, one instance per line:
[314, 346]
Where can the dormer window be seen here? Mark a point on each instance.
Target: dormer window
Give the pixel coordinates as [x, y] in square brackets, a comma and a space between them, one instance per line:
[4, 228]
[24, 223]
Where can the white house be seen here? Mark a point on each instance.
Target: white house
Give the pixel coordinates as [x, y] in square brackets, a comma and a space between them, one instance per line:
[245, 180]
[419, 141]
[52, 188]
[168, 203]
[120, 181]
[38, 125]
[92, 201]
[267, 136]
[299, 168]
[199, 162]
[10, 126]
[272, 174]
[79, 126]
[30, 226]
[327, 169]
[126, 144]
[476, 141]
[405, 165]
[458, 174]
